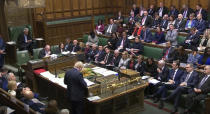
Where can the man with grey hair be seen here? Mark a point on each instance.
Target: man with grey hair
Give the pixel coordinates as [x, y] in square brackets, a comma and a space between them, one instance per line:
[64, 111]
[180, 23]
[163, 71]
[188, 80]
[24, 41]
[76, 88]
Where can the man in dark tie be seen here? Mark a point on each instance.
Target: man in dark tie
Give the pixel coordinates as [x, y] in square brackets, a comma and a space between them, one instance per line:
[151, 10]
[201, 24]
[164, 22]
[199, 92]
[168, 53]
[173, 11]
[146, 20]
[162, 10]
[108, 57]
[192, 40]
[68, 44]
[146, 35]
[188, 80]
[100, 54]
[186, 11]
[75, 47]
[24, 41]
[174, 80]
[123, 42]
[200, 10]
[180, 23]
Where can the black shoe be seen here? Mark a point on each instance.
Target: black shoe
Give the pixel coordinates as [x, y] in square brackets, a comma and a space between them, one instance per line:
[161, 105]
[156, 100]
[174, 111]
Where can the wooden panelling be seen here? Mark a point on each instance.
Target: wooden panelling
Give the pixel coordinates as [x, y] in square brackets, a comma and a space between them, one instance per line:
[168, 3]
[175, 3]
[193, 3]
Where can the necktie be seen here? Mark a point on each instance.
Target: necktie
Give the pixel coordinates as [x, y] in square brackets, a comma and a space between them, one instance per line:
[106, 57]
[160, 12]
[143, 20]
[174, 74]
[185, 14]
[187, 78]
[145, 35]
[25, 38]
[203, 81]
[73, 49]
[166, 55]
[205, 42]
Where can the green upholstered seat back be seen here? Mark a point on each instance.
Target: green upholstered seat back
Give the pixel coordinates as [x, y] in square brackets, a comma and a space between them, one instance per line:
[102, 41]
[154, 52]
[96, 18]
[85, 38]
[181, 39]
[36, 53]
[14, 32]
[22, 57]
[54, 48]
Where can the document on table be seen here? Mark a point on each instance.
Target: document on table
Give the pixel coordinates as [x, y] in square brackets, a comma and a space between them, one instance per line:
[48, 75]
[93, 98]
[65, 52]
[131, 37]
[89, 83]
[153, 81]
[145, 77]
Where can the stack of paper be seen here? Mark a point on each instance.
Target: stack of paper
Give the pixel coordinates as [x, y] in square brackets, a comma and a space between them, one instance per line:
[65, 52]
[103, 71]
[93, 98]
[89, 83]
[153, 81]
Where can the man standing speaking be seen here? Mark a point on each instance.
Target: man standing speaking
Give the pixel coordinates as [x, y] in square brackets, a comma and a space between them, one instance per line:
[76, 88]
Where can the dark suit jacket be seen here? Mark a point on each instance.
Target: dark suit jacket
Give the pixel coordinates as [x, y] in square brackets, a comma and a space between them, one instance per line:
[178, 76]
[76, 48]
[21, 41]
[67, 47]
[156, 22]
[152, 69]
[116, 60]
[128, 65]
[141, 68]
[201, 26]
[192, 81]
[180, 25]
[91, 54]
[171, 55]
[151, 12]
[42, 53]
[136, 11]
[76, 86]
[148, 36]
[194, 39]
[189, 11]
[159, 38]
[164, 24]
[174, 12]
[101, 56]
[125, 45]
[109, 59]
[35, 106]
[205, 88]
[138, 46]
[165, 10]
[148, 21]
[2, 47]
[203, 12]
[163, 75]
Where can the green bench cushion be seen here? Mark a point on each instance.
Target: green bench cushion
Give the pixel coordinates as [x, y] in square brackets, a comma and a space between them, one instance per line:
[154, 52]
[180, 39]
[36, 53]
[22, 57]
[102, 41]
[96, 18]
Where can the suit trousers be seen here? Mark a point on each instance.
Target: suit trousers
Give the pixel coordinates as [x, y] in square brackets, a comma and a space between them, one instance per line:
[162, 91]
[77, 107]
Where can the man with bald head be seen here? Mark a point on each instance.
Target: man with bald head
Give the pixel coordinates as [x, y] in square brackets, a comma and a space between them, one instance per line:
[199, 92]
[180, 23]
[45, 52]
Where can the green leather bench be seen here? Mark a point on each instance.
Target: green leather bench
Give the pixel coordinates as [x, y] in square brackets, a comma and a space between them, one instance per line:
[36, 53]
[102, 40]
[22, 58]
[153, 52]
[96, 18]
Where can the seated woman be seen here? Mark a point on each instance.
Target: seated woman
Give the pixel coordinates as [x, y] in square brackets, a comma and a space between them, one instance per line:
[171, 21]
[205, 41]
[159, 36]
[137, 47]
[151, 67]
[92, 38]
[111, 43]
[124, 60]
[60, 49]
[132, 62]
[190, 23]
[205, 58]
[181, 55]
[100, 27]
[193, 57]
[140, 65]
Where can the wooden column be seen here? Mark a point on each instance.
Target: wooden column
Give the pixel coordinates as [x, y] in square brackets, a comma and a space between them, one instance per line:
[3, 21]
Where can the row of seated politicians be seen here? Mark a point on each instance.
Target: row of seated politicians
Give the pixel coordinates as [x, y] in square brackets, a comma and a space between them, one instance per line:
[21, 91]
[182, 20]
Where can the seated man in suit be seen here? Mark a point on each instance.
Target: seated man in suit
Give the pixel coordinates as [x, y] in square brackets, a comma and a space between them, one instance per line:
[100, 54]
[173, 11]
[116, 58]
[136, 48]
[186, 11]
[164, 22]
[162, 10]
[171, 35]
[168, 53]
[199, 92]
[107, 58]
[123, 42]
[188, 80]
[87, 50]
[24, 41]
[45, 52]
[174, 80]
[75, 46]
[151, 10]
[111, 28]
[180, 23]
[146, 35]
[146, 19]
[201, 24]
[93, 51]
[68, 44]
[192, 40]
[200, 10]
